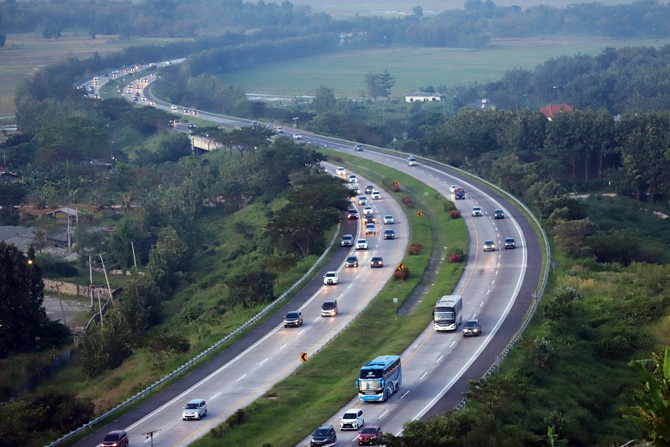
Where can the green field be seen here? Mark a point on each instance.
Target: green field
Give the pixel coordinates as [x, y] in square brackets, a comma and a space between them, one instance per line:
[413, 68]
[24, 54]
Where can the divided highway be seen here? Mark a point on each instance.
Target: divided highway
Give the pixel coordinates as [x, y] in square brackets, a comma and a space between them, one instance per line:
[497, 288]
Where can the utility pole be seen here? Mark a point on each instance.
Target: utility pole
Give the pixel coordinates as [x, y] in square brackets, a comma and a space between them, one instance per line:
[104, 270]
[132, 246]
[90, 278]
[57, 287]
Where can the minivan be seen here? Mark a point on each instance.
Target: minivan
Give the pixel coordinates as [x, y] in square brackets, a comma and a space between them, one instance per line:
[194, 409]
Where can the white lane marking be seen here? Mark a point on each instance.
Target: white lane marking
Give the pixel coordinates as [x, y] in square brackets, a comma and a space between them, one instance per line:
[216, 395]
[264, 360]
[439, 359]
[383, 414]
[241, 377]
[406, 393]
[283, 346]
[481, 304]
[423, 375]
[452, 343]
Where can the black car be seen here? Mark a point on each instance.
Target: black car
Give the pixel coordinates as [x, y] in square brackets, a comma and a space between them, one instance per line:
[498, 214]
[376, 262]
[352, 261]
[472, 328]
[293, 319]
[510, 243]
[369, 189]
[352, 214]
[389, 234]
[324, 435]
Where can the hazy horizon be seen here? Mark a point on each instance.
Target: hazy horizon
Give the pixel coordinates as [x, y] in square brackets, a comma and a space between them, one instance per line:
[430, 7]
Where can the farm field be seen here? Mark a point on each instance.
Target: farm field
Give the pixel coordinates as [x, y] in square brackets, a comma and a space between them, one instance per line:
[24, 54]
[413, 68]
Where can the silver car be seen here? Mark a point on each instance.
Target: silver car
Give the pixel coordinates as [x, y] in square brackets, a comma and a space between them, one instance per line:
[194, 409]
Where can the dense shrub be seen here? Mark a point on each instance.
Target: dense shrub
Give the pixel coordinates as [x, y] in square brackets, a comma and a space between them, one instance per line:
[56, 267]
[415, 248]
[236, 418]
[407, 202]
[559, 305]
[49, 410]
[401, 274]
[394, 187]
[448, 206]
[455, 214]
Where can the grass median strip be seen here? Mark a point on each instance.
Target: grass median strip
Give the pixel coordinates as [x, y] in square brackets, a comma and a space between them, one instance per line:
[321, 386]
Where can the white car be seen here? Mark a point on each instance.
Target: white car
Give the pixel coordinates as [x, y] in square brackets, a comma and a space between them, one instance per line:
[477, 211]
[330, 278]
[368, 210]
[297, 136]
[352, 419]
[353, 178]
[340, 171]
[347, 240]
[194, 409]
[453, 188]
[370, 229]
[376, 195]
[362, 244]
[411, 160]
[362, 200]
[388, 219]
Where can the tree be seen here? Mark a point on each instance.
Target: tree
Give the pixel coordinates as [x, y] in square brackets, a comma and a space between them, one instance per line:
[379, 84]
[24, 326]
[653, 398]
[3, 39]
[11, 196]
[373, 86]
[324, 100]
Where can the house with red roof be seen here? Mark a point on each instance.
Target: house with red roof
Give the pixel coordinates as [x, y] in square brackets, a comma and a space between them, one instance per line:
[552, 110]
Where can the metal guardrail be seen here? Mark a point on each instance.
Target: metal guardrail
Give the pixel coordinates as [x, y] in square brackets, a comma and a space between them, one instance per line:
[203, 354]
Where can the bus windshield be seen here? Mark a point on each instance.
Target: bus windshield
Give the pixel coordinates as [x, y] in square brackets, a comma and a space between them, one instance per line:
[444, 314]
[369, 385]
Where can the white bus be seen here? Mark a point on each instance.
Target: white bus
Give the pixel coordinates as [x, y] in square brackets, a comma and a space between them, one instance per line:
[447, 313]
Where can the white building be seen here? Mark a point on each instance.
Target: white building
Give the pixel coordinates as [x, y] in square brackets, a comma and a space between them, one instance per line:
[424, 97]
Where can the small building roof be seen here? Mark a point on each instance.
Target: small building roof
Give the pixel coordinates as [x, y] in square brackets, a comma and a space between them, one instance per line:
[66, 210]
[552, 110]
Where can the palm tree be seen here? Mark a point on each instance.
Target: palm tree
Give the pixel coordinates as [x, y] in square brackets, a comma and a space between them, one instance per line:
[653, 398]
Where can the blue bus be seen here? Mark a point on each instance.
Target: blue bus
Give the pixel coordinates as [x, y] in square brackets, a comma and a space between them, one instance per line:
[379, 378]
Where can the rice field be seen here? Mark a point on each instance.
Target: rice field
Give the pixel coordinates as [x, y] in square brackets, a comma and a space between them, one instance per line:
[413, 68]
